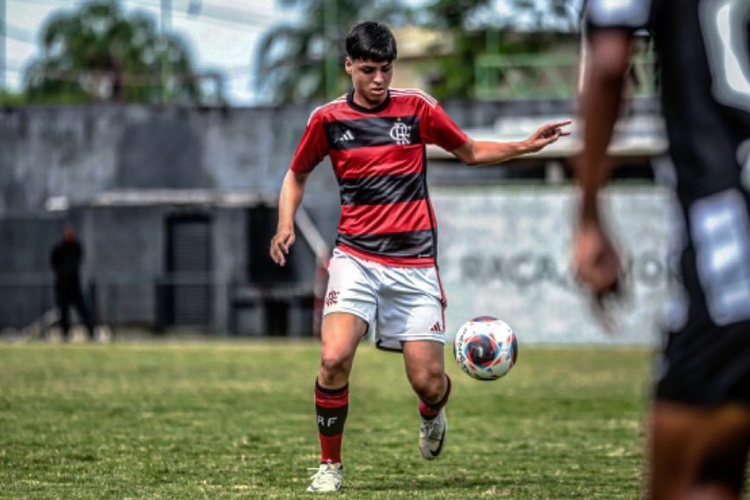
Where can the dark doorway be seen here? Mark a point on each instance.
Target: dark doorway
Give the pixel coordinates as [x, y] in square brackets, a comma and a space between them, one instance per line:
[189, 266]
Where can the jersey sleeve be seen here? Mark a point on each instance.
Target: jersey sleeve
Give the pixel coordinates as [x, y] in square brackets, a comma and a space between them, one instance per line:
[313, 146]
[437, 127]
[630, 15]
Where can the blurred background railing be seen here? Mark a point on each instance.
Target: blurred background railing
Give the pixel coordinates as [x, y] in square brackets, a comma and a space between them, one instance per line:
[551, 76]
[24, 297]
[184, 303]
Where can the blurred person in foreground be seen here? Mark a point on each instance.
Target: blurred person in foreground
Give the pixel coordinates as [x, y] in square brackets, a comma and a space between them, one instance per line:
[383, 271]
[66, 259]
[699, 424]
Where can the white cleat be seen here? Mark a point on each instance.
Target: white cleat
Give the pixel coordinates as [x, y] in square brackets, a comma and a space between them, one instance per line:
[432, 436]
[328, 478]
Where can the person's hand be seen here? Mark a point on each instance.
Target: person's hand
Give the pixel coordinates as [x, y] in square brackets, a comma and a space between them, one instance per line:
[547, 134]
[597, 266]
[280, 245]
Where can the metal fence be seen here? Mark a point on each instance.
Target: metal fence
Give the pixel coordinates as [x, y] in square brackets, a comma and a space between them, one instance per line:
[166, 304]
[24, 297]
[542, 76]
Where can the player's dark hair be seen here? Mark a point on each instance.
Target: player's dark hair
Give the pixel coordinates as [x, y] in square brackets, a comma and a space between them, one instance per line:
[371, 41]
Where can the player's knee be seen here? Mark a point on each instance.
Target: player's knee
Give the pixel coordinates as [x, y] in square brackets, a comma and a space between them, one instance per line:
[429, 387]
[669, 425]
[334, 366]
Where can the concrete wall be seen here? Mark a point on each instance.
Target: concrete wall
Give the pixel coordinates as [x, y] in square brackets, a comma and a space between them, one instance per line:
[78, 152]
[81, 152]
[25, 280]
[506, 252]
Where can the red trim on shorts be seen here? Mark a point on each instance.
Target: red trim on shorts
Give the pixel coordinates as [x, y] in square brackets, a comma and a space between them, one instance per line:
[386, 260]
[443, 296]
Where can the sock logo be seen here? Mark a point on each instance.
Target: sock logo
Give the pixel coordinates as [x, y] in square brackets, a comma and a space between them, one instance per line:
[330, 422]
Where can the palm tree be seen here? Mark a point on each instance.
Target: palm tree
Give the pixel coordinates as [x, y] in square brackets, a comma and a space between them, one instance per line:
[99, 54]
[300, 63]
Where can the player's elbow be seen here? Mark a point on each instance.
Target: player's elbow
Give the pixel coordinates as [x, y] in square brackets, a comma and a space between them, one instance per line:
[610, 54]
[472, 161]
[468, 154]
[610, 70]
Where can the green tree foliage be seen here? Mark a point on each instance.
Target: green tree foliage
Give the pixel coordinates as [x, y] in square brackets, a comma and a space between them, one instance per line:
[12, 98]
[98, 53]
[299, 63]
[476, 29]
[551, 14]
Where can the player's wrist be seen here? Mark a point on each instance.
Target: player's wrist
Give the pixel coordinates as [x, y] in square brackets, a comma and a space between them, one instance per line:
[529, 146]
[285, 227]
[589, 212]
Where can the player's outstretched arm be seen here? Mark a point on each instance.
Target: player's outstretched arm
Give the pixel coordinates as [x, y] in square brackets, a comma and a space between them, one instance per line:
[292, 191]
[490, 152]
[546, 135]
[596, 263]
[604, 80]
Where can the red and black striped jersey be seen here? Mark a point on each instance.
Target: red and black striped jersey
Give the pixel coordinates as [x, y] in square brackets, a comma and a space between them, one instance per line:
[378, 156]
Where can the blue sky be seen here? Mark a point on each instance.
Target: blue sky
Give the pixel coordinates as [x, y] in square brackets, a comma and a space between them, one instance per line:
[223, 35]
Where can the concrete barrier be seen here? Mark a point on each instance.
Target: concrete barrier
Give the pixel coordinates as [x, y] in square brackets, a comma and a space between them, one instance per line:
[505, 252]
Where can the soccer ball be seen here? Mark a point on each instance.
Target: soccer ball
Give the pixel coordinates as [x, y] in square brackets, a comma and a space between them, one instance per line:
[485, 348]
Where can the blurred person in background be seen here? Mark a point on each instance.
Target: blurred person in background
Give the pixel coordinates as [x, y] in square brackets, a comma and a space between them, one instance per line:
[383, 272]
[699, 424]
[66, 259]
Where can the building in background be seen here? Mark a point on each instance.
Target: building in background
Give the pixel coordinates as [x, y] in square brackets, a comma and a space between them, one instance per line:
[176, 205]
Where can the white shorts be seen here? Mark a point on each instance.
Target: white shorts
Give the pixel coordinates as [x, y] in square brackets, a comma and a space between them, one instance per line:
[402, 303]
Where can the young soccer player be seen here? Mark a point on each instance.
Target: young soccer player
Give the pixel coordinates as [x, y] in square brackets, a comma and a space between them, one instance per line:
[383, 270]
[699, 425]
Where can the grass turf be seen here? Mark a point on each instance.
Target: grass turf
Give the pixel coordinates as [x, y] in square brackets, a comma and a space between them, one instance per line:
[235, 421]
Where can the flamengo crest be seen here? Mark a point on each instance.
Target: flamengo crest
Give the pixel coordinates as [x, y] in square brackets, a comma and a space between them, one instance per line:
[401, 133]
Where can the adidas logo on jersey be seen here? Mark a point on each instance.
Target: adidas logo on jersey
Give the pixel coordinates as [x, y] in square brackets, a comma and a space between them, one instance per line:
[346, 136]
[436, 327]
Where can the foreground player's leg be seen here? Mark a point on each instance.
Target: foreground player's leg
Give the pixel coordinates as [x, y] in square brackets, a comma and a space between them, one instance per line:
[340, 336]
[698, 453]
[425, 369]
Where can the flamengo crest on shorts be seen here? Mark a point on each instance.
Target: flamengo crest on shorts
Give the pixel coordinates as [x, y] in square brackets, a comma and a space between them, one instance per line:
[401, 303]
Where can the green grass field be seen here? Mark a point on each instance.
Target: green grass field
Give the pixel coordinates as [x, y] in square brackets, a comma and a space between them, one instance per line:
[235, 421]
